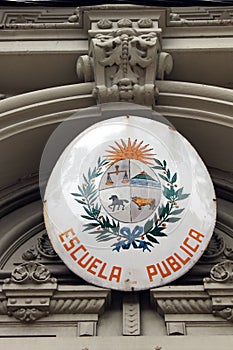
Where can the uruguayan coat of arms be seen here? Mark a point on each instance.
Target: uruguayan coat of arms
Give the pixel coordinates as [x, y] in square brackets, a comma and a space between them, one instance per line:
[130, 211]
[126, 209]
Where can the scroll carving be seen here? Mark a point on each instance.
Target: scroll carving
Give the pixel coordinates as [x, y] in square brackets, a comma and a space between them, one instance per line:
[226, 313]
[220, 289]
[31, 271]
[222, 272]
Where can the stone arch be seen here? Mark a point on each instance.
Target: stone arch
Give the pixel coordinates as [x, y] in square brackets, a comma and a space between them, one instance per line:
[201, 113]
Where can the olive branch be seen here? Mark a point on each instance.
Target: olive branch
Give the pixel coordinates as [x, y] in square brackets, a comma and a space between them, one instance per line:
[166, 213]
[105, 228]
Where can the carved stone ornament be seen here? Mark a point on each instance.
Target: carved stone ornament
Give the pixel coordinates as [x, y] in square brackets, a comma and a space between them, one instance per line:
[104, 24]
[228, 252]
[212, 302]
[31, 294]
[43, 248]
[131, 315]
[28, 315]
[226, 313]
[29, 291]
[31, 271]
[220, 288]
[222, 272]
[125, 61]
[215, 248]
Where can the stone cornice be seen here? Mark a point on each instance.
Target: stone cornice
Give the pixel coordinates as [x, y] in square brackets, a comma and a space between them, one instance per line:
[68, 18]
[11, 15]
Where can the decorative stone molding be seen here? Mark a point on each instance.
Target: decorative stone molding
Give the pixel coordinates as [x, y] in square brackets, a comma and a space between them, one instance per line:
[201, 16]
[31, 294]
[181, 300]
[75, 16]
[228, 252]
[222, 272]
[55, 15]
[87, 329]
[131, 315]
[125, 60]
[215, 248]
[220, 288]
[21, 15]
[202, 13]
[74, 306]
[210, 304]
[184, 305]
[28, 272]
[226, 313]
[43, 248]
[181, 305]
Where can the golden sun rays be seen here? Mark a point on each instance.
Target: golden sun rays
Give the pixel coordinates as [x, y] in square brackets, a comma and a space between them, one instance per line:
[130, 150]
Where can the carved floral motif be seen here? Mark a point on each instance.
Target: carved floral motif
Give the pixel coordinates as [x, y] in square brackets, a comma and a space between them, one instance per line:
[28, 315]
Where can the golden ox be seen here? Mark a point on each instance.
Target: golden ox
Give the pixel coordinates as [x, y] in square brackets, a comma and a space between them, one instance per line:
[142, 202]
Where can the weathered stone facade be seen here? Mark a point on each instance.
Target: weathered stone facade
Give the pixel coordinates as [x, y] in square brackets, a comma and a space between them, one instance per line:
[56, 61]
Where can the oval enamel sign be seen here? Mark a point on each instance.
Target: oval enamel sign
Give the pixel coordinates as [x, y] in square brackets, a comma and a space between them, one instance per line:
[130, 209]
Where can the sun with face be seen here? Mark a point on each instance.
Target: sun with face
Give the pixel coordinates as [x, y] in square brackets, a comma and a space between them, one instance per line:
[130, 150]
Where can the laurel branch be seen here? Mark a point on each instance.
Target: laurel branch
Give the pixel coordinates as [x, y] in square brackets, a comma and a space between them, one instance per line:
[107, 229]
[104, 227]
[166, 213]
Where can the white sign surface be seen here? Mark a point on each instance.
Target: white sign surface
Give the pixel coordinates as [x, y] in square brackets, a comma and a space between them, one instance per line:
[130, 204]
